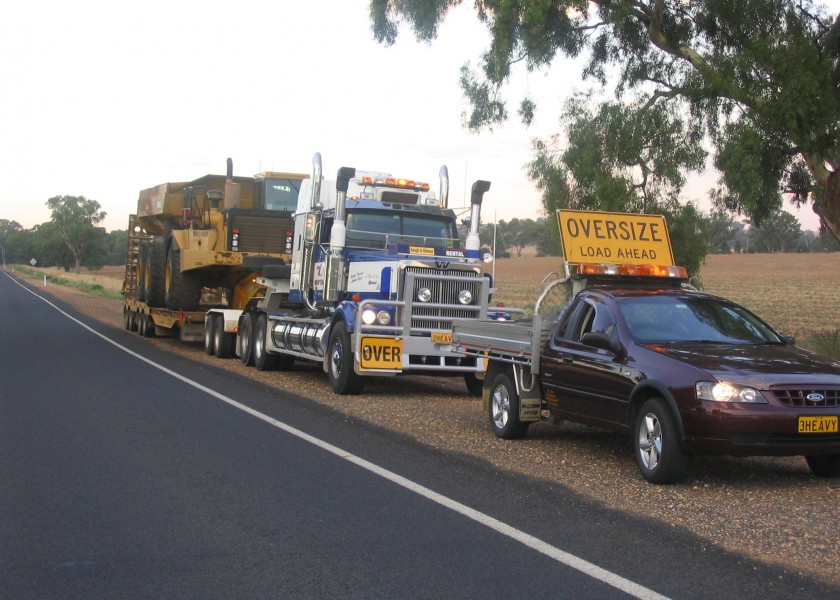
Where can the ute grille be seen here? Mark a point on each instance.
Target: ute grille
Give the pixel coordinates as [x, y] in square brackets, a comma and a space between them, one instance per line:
[261, 234]
[798, 397]
[425, 318]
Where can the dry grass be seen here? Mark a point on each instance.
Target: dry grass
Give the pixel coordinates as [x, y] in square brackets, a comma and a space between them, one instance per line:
[793, 292]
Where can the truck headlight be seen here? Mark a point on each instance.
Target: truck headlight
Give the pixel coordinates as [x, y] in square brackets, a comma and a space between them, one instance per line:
[383, 317]
[424, 294]
[368, 316]
[728, 392]
[465, 297]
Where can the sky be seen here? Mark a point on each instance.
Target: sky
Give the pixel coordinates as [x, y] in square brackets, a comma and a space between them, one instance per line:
[102, 99]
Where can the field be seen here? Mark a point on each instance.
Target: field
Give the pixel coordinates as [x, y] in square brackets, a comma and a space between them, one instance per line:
[795, 293]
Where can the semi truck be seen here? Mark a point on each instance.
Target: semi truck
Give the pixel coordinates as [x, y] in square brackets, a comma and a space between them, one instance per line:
[628, 345]
[363, 274]
[377, 275]
[192, 245]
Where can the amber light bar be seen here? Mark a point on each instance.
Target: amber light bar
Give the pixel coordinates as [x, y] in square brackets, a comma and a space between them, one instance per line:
[396, 182]
[633, 270]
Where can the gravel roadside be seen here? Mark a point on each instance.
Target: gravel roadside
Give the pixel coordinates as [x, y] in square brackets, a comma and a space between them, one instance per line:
[769, 509]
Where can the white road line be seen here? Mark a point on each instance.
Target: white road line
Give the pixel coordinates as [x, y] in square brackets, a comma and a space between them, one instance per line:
[570, 560]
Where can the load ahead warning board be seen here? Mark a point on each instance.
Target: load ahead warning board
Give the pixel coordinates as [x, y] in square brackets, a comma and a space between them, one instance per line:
[604, 237]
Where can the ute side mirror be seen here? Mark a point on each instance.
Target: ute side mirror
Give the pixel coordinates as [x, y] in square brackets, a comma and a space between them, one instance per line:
[604, 341]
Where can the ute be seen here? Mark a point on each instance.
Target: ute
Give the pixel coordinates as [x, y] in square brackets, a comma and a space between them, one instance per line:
[632, 348]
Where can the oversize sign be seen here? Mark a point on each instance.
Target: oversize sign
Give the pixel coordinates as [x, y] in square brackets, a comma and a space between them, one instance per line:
[604, 237]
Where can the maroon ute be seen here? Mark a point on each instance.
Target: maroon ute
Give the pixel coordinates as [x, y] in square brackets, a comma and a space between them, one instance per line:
[684, 373]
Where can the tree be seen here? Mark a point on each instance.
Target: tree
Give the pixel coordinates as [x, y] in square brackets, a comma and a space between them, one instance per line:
[75, 220]
[779, 232]
[758, 78]
[7, 231]
[720, 231]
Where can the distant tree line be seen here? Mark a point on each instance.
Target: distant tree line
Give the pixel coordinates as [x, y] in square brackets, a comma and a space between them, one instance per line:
[71, 239]
[719, 231]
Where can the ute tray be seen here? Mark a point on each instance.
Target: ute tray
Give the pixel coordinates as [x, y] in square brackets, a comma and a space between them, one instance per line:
[506, 341]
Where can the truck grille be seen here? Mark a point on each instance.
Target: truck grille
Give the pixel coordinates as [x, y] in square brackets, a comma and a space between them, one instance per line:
[800, 397]
[438, 313]
[260, 234]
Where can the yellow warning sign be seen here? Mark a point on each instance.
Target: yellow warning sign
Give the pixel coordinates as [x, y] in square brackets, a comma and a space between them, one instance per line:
[621, 238]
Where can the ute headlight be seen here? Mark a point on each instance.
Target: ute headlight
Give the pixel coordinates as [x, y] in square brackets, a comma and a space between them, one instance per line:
[465, 297]
[424, 294]
[368, 316]
[728, 392]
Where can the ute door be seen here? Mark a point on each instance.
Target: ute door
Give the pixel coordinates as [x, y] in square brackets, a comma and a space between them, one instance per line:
[588, 380]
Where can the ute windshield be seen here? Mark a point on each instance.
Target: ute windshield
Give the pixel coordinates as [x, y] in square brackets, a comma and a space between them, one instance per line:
[378, 229]
[699, 319]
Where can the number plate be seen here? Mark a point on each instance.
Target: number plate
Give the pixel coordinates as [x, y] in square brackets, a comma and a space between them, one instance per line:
[380, 353]
[442, 338]
[818, 424]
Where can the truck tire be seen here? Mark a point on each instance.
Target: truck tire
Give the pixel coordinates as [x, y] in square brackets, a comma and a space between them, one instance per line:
[656, 443]
[222, 340]
[263, 360]
[147, 326]
[154, 278]
[183, 290]
[246, 339]
[209, 335]
[504, 409]
[475, 386]
[142, 256]
[343, 378]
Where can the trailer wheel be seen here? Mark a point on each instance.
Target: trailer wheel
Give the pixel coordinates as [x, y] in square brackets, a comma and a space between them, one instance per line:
[209, 336]
[263, 360]
[183, 290]
[132, 320]
[246, 339]
[659, 455]
[504, 409]
[340, 371]
[222, 340]
[127, 318]
[146, 327]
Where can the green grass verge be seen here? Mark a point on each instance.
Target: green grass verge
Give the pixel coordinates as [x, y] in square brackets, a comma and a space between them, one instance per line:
[827, 343]
[91, 288]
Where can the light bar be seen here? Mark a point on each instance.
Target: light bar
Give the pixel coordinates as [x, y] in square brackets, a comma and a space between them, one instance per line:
[633, 270]
[394, 182]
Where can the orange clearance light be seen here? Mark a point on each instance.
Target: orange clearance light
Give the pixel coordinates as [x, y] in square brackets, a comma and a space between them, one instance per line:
[680, 272]
[424, 186]
[405, 183]
[390, 181]
[366, 180]
[356, 298]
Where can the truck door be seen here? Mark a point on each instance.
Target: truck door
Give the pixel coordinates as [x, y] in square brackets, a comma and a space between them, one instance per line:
[587, 382]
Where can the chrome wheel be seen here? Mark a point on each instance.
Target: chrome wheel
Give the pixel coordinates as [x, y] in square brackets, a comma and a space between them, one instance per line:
[650, 441]
[500, 405]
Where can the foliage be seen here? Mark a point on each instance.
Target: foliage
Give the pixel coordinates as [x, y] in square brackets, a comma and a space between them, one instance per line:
[74, 220]
[758, 78]
[779, 232]
[827, 343]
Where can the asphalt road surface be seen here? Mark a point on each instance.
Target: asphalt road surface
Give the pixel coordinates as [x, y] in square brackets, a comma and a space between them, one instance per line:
[129, 472]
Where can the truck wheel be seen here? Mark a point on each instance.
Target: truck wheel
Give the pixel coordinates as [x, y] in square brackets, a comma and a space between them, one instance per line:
[147, 326]
[222, 340]
[340, 371]
[141, 271]
[141, 324]
[504, 409]
[183, 290]
[127, 319]
[824, 465]
[659, 455]
[475, 386]
[262, 359]
[209, 337]
[154, 278]
[246, 340]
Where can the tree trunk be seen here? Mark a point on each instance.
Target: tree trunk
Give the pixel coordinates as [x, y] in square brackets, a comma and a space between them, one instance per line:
[827, 205]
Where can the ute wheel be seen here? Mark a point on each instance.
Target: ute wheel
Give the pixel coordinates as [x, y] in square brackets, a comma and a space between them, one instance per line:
[263, 360]
[824, 465]
[504, 409]
[246, 339]
[209, 335]
[475, 386]
[222, 340]
[340, 371]
[659, 455]
[183, 290]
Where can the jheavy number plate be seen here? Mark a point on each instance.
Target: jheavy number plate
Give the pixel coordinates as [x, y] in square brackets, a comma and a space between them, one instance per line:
[381, 353]
[826, 424]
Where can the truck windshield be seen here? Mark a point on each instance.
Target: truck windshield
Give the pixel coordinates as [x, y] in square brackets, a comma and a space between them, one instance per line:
[377, 229]
[281, 194]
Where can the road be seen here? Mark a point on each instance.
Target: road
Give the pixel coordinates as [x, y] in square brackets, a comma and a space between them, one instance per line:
[130, 472]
